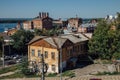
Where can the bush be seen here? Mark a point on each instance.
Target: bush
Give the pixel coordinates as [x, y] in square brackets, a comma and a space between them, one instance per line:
[26, 71]
[116, 55]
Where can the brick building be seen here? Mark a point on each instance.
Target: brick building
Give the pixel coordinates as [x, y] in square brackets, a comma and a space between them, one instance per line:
[40, 22]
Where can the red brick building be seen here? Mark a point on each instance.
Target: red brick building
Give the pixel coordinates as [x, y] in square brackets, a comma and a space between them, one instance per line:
[40, 22]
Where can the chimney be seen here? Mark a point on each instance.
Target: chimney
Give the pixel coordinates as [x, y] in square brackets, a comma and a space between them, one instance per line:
[39, 14]
[47, 14]
[42, 14]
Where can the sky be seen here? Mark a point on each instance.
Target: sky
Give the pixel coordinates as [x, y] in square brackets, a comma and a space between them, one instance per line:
[58, 8]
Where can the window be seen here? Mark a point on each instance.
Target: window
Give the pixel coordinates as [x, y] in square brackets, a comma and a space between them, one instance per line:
[33, 52]
[46, 54]
[39, 53]
[53, 68]
[53, 55]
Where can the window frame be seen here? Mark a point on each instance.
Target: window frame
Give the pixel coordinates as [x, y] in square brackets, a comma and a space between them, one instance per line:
[33, 52]
[46, 54]
[52, 55]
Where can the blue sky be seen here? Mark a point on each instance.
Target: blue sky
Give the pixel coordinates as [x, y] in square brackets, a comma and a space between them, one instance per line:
[58, 8]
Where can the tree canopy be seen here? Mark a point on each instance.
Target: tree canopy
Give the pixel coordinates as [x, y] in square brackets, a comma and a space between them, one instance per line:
[105, 41]
[1, 42]
[21, 38]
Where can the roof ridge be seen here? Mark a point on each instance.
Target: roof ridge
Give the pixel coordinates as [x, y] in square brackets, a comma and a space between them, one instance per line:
[85, 35]
[55, 42]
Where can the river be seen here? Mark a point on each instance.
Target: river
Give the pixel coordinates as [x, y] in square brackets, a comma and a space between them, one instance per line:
[5, 26]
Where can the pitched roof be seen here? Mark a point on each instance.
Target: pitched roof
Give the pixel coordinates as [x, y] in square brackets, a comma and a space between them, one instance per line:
[54, 41]
[36, 38]
[75, 38]
[82, 37]
[5, 36]
[71, 38]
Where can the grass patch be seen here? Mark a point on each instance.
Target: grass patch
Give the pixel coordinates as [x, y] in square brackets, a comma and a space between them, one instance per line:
[18, 75]
[51, 75]
[68, 73]
[108, 73]
[98, 61]
[9, 69]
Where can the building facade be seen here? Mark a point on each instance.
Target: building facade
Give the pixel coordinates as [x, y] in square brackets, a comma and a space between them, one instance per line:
[40, 22]
[54, 47]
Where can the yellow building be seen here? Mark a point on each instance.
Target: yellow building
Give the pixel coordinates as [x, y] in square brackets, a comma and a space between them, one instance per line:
[70, 45]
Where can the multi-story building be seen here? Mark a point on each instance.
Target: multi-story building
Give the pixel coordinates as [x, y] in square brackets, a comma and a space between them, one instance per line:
[68, 46]
[75, 22]
[40, 22]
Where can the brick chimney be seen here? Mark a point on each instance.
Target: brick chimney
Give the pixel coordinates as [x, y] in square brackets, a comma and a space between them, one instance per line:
[47, 14]
[39, 14]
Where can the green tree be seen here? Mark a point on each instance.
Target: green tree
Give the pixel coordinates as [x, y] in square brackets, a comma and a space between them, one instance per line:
[44, 32]
[105, 42]
[37, 32]
[21, 38]
[1, 42]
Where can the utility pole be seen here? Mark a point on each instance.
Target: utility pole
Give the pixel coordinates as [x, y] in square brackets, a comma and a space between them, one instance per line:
[60, 59]
[43, 75]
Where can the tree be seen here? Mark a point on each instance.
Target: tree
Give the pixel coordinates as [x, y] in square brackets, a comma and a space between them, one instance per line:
[21, 38]
[1, 42]
[37, 32]
[105, 42]
[44, 32]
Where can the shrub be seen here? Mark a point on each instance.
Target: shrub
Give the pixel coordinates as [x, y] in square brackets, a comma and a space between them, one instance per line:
[116, 55]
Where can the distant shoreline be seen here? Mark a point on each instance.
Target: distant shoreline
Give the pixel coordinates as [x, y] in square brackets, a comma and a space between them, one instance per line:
[13, 20]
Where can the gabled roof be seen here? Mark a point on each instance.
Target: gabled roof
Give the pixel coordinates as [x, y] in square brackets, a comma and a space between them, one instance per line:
[36, 38]
[54, 41]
